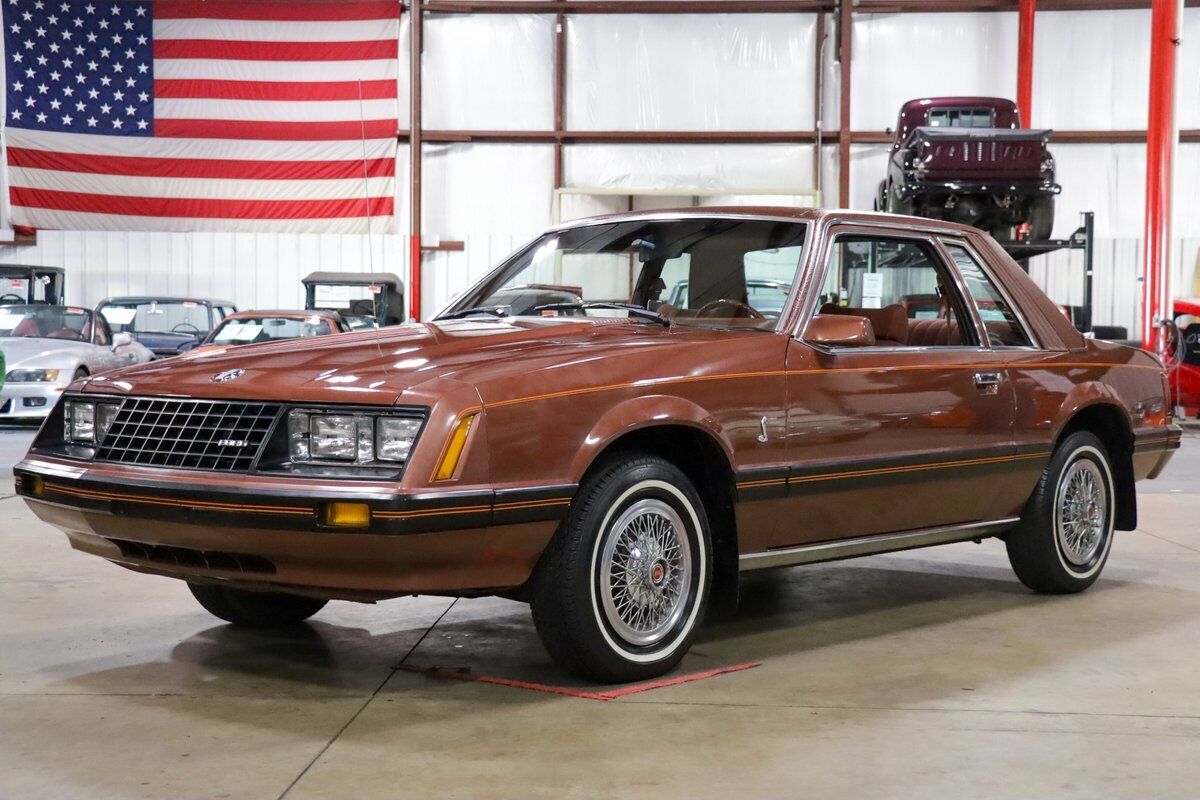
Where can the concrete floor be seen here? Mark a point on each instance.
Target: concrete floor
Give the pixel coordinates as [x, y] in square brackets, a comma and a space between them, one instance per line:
[926, 674]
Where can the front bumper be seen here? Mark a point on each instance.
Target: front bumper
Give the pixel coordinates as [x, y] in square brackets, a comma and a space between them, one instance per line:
[267, 532]
[28, 401]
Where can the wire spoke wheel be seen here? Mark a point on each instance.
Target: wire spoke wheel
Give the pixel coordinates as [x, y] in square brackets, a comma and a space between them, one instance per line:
[646, 572]
[1081, 512]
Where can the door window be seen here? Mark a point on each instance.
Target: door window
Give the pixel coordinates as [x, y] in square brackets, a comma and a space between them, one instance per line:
[901, 286]
[1003, 326]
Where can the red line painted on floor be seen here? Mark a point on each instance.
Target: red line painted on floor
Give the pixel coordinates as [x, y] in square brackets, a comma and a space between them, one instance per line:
[607, 696]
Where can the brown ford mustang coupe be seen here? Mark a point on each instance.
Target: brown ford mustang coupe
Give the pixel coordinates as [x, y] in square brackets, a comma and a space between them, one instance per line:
[615, 422]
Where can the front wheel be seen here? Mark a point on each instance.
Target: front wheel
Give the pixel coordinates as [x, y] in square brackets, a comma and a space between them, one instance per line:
[622, 588]
[1063, 539]
[255, 609]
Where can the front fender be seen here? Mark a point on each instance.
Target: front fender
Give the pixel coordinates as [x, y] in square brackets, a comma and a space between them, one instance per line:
[639, 413]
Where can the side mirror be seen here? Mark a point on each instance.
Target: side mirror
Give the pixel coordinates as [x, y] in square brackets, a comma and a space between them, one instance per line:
[840, 330]
[121, 339]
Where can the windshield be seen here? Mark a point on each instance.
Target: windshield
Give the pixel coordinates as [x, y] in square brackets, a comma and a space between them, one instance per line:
[712, 272]
[184, 317]
[46, 322]
[253, 330]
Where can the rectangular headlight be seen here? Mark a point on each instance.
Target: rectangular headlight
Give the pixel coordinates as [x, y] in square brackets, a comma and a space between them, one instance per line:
[362, 438]
[334, 437]
[32, 376]
[394, 437]
[85, 422]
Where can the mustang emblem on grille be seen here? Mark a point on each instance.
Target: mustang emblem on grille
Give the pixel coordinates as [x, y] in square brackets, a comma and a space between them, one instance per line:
[232, 443]
[228, 375]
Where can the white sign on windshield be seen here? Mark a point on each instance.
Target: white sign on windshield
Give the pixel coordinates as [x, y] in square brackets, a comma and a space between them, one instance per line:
[118, 315]
[237, 331]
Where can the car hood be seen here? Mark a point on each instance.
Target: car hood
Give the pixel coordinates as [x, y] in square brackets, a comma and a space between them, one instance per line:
[31, 353]
[386, 366]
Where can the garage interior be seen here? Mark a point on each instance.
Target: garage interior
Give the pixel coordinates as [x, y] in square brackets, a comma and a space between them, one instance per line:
[927, 673]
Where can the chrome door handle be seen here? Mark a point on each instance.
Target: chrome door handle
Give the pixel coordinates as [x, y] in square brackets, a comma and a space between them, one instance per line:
[988, 382]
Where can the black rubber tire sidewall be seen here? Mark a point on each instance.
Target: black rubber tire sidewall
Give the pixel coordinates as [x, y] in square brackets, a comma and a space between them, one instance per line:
[566, 602]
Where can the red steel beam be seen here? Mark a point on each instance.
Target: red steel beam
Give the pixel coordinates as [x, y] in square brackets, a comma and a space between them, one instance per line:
[845, 39]
[1160, 151]
[1186, 136]
[414, 159]
[1025, 19]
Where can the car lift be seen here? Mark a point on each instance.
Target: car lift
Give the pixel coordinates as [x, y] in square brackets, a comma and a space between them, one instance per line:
[1082, 239]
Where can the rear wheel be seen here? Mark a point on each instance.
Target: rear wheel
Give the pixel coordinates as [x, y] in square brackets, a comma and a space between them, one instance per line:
[255, 609]
[1063, 539]
[1041, 218]
[622, 588]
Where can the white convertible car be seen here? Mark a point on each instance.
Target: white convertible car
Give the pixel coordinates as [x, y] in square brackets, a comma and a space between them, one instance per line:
[47, 347]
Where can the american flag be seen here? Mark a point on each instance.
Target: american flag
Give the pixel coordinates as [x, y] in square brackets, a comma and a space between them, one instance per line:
[183, 115]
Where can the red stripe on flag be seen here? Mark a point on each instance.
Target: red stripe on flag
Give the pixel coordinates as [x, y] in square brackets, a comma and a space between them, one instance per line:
[281, 12]
[200, 208]
[275, 90]
[231, 50]
[279, 131]
[199, 167]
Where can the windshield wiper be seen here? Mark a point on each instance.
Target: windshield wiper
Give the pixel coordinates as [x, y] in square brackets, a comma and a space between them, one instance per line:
[495, 311]
[634, 311]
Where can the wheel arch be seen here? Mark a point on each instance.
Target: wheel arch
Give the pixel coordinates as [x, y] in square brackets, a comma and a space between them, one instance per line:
[1109, 423]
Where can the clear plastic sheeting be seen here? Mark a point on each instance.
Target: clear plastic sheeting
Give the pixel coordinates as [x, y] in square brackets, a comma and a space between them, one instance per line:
[900, 57]
[749, 167]
[488, 72]
[690, 72]
[1090, 70]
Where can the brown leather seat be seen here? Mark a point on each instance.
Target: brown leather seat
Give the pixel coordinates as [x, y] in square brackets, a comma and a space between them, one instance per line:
[937, 332]
[890, 322]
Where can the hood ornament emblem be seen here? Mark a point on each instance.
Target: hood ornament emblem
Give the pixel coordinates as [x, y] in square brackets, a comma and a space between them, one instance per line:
[228, 375]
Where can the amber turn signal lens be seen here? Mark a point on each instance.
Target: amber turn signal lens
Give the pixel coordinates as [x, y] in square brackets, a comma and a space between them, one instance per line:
[33, 484]
[454, 449]
[346, 515]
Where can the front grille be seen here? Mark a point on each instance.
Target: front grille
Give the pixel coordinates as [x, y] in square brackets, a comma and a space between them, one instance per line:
[187, 557]
[219, 435]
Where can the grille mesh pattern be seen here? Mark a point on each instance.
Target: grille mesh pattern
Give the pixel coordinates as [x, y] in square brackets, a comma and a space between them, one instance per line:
[215, 435]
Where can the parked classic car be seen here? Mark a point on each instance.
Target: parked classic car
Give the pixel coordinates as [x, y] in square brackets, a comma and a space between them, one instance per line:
[167, 325]
[364, 299]
[21, 284]
[618, 460]
[1185, 363]
[258, 327]
[47, 347]
[967, 159]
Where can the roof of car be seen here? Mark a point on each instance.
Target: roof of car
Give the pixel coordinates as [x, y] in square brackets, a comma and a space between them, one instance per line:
[354, 278]
[13, 269]
[163, 299]
[776, 212]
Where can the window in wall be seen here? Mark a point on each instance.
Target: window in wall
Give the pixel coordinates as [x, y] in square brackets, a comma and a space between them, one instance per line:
[900, 285]
[1003, 326]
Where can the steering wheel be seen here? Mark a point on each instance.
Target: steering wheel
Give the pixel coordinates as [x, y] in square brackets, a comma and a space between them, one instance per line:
[742, 310]
[16, 298]
[194, 329]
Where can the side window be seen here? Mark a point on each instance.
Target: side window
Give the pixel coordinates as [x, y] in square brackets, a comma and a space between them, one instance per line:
[900, 285]
[1003, 326]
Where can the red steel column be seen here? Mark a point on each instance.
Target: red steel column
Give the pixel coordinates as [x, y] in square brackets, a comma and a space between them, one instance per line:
[1160, 146]
[1025, 61]
[414, 160]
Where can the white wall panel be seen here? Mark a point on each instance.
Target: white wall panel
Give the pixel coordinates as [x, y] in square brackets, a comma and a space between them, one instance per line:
[899, 57]
[1091, 70]
[698, 166]
[488, 71]
[690, 72]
